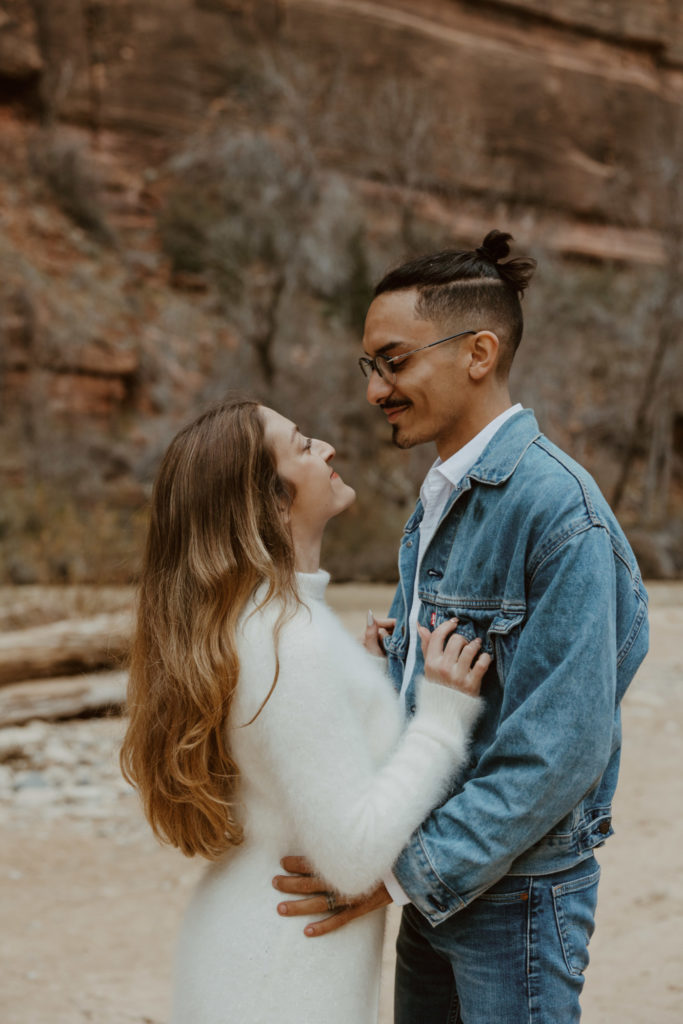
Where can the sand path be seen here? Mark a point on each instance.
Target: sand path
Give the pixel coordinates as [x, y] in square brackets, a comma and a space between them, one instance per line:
[90, 903]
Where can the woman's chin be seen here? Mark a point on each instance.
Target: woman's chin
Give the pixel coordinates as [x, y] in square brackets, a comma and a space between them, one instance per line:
[346, 499]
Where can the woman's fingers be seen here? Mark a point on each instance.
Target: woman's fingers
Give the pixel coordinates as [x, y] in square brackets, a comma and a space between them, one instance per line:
[452, 660]
[376, 631]
[478, 670]
[371, 636]
[437, 638]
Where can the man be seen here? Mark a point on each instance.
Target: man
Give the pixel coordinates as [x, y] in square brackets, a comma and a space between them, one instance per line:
[499, 884]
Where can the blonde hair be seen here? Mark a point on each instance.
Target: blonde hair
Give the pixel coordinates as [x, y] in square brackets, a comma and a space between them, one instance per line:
[216, 532]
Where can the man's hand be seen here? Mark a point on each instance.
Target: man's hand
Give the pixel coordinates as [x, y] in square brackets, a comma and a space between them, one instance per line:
[318, 898]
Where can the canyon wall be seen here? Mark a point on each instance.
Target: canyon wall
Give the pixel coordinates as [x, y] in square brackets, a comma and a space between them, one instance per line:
[197, 196]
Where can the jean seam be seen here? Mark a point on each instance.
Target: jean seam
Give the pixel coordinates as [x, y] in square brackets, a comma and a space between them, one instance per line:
[505, 898]
[577, 885]
[530, 946]
[454, 1012]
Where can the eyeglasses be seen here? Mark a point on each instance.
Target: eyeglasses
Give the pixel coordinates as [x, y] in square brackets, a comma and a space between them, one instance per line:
[383, 364]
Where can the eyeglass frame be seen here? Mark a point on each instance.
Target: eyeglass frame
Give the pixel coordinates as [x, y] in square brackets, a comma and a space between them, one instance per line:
[365, 361]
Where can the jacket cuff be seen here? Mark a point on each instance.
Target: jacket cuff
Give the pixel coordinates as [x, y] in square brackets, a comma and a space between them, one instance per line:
[426, 891]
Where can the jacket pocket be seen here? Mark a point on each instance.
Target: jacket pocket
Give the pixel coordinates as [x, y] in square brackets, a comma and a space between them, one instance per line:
[503, 636]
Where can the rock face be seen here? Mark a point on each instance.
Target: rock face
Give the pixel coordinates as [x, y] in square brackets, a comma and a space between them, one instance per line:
[197, 195]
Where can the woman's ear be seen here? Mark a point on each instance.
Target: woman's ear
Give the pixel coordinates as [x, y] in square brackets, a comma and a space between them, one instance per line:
[484, 349]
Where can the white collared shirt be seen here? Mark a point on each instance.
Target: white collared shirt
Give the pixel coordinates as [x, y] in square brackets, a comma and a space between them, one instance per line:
[438, 486]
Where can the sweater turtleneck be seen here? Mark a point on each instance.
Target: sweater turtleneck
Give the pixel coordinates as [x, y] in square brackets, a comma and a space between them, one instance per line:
[312, 585]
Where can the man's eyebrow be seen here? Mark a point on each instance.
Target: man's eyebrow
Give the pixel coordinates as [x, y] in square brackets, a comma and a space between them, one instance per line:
[389, 347]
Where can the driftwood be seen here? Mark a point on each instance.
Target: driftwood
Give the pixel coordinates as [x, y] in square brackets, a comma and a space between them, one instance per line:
[62, 698]
[66, 647]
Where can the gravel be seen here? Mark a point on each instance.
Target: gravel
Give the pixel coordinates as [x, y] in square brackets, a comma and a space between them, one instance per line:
[68, 771]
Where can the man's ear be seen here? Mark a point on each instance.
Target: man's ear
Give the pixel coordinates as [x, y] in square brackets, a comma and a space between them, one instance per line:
[484, 349]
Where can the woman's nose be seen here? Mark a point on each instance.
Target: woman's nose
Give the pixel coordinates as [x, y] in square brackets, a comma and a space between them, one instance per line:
[327, 450]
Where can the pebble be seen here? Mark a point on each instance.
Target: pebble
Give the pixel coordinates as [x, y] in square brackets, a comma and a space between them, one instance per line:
[35, 797]
[30, 780]
[22, 741]
[68, 771]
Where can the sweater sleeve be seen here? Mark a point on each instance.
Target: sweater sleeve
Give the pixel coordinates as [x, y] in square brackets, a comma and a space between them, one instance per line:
[352, 817]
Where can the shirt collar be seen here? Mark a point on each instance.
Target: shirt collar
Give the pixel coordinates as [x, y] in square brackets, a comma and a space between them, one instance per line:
[455, 467]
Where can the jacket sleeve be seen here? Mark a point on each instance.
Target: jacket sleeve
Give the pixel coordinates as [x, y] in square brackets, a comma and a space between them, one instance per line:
[552, 742]
[352, 816]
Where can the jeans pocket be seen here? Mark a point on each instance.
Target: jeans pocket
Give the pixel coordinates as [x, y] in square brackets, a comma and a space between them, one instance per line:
[575, 902]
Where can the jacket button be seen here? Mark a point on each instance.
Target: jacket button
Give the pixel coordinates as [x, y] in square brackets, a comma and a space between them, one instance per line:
[409, 544]
[412, 709]
[604, 827]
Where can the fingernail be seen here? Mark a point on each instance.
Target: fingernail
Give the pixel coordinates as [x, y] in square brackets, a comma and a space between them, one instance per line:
[282, 908]
[371, 617]
[309, 931]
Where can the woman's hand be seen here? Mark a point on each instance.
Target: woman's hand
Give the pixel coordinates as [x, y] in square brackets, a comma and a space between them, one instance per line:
[375, 631]
[451, 661]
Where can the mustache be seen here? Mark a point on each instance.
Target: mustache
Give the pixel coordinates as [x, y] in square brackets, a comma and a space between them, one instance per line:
[395, 403]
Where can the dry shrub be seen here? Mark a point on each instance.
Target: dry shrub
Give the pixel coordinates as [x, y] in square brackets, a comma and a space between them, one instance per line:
[62, 164]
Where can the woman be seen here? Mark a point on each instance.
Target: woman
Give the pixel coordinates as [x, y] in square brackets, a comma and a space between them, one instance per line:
[260, 728]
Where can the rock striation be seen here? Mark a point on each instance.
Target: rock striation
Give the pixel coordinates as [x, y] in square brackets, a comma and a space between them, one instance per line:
[197, 195]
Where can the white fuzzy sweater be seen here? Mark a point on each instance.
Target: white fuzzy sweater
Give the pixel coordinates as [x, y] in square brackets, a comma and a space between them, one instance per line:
[329, 771]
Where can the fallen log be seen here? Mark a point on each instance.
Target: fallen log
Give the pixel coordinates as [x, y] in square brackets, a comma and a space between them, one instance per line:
[70, 697]
[64, 648]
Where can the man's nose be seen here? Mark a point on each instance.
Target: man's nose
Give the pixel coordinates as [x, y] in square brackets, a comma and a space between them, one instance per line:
[378, 388]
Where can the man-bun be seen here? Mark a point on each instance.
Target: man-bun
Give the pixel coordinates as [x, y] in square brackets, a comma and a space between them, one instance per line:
[495, 247]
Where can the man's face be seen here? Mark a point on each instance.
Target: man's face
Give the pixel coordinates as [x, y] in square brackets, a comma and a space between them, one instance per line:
[432, 395]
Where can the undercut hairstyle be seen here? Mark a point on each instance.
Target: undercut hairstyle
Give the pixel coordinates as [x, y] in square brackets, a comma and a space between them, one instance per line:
[217, 531]
[470, 289]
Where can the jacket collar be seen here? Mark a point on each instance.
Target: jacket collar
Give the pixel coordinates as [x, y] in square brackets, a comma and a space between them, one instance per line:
[503, 453]
[495, 465]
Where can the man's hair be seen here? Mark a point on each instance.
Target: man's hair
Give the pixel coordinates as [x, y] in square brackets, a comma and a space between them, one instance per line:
[470, 289]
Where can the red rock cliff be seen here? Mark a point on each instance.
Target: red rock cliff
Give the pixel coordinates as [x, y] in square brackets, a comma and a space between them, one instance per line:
[198, 195]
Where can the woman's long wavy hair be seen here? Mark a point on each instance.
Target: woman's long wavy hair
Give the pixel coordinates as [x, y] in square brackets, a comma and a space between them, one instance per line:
[217, 531]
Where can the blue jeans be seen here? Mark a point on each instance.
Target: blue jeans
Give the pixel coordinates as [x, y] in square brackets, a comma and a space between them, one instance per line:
[515, 955]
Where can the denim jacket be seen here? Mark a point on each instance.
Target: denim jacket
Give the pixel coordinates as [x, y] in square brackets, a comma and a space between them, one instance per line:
[530, 558]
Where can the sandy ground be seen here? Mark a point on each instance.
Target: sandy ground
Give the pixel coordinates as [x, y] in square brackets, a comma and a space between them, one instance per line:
[90, 902]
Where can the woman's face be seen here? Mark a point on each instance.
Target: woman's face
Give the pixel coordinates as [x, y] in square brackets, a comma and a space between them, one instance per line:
[305, 463]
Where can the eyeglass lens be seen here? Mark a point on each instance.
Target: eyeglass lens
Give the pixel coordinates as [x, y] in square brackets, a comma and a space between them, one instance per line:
[379, 363]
